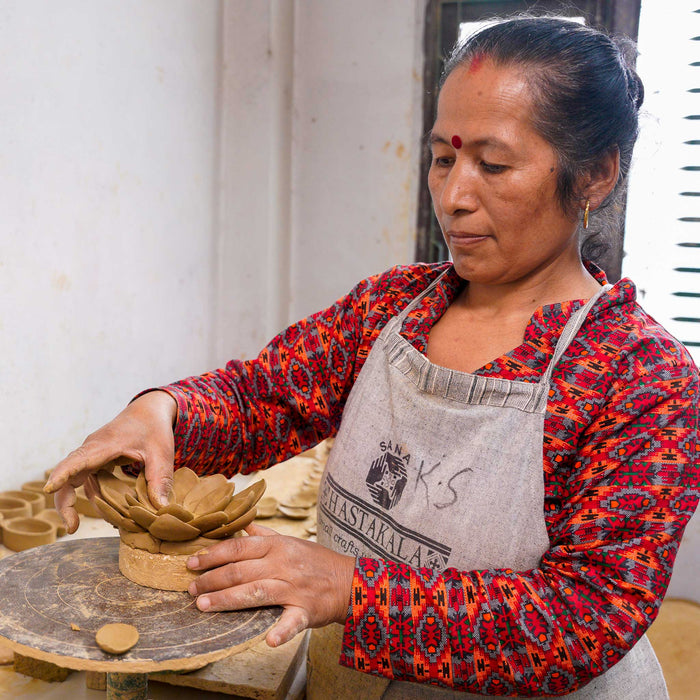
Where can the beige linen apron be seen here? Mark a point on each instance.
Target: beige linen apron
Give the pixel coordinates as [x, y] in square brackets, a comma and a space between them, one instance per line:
[439, 468]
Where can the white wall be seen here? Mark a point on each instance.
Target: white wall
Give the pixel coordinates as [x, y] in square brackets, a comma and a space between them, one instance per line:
[179, 179]
[322, 107]
[108, 157]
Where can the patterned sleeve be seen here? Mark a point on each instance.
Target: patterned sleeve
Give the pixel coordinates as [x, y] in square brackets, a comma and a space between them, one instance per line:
[252, 414]
[618, 521]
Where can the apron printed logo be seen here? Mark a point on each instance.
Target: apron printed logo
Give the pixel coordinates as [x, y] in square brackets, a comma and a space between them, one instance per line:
[359, 528]
[387, 479]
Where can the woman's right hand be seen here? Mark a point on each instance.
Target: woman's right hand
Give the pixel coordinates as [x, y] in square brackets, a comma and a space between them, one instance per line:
[141, 434]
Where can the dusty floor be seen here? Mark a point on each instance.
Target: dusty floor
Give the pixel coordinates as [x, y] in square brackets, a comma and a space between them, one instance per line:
[675, 636]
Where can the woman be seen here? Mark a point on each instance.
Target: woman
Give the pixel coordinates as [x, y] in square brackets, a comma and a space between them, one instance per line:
[514, 456]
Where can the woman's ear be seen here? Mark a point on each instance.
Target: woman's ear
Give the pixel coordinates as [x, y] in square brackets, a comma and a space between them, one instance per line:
[602, 178]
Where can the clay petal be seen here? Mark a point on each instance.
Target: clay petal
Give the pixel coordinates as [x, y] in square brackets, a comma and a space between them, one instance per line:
[210, 490]
[141, 488]
[184, 480]
[129, 525]
[142, 516]
[209, 521]
[235, 526]
[115, 497]
[112, 516]
[300, 500]
[245, 500]
[267, 507]
[132, 500]
[294, 512]
[168, 527]
[140, 540]
[219, 505]
[180, 512]
[122, 476]
[105, 478]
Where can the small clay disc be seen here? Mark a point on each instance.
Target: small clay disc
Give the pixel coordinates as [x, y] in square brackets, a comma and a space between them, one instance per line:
[294, 513]
[116, 638]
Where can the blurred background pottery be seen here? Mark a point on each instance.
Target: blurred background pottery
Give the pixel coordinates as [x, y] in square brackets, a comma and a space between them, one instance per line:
[11, 507]
[36, 501]
[19, 534]
[38, 487]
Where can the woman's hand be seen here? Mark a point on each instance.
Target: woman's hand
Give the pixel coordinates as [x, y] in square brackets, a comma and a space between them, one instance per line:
[313, 583]
[142, 433]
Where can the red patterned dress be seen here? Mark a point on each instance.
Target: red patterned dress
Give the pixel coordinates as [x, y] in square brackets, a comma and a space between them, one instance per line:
[620, 470]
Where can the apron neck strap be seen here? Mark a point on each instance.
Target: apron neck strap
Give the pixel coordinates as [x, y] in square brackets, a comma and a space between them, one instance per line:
[572, 327]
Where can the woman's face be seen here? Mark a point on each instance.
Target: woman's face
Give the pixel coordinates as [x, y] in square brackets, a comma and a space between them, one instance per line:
[493, 180]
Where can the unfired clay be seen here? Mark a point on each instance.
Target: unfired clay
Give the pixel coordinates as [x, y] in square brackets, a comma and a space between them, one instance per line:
[38, 487]
[14, 508]
[52, 516]
[156, 542]
[19, 534]
[36, 501]
[116, 638]
[267, 507]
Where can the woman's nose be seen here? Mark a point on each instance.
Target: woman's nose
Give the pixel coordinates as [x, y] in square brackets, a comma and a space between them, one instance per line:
[459, 191]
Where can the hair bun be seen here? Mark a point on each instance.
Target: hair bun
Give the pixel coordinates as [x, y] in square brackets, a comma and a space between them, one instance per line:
[635, 87]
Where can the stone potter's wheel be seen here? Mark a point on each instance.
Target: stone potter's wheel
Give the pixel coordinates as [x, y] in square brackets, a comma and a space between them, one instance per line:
[45, 590]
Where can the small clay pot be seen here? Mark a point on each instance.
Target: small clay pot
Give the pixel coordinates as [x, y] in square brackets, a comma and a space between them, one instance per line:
[11, 507]
[52, 516]
[38, 487]
[19, 534]
[36, 501]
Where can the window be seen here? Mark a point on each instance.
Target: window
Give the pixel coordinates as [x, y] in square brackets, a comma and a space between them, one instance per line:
[662, 245]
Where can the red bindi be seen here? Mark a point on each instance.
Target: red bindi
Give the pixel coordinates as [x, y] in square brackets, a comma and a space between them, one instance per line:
[456, 141]
[476, 62]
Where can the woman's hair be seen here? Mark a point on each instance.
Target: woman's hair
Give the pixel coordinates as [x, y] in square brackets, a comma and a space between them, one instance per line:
[586, 95]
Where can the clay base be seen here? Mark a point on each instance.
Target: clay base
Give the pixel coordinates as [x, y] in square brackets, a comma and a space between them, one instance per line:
[166, 572]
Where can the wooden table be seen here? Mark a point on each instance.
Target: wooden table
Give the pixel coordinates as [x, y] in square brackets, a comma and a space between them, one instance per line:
[54, 598]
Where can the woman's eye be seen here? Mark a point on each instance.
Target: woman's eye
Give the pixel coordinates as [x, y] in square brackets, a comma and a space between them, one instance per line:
[442, 161]
[492, 168]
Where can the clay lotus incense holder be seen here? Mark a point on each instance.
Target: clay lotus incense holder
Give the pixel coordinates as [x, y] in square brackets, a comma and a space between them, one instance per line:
[156, 542]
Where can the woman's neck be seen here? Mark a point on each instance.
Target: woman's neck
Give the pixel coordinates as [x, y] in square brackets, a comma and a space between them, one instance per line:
[525, 296]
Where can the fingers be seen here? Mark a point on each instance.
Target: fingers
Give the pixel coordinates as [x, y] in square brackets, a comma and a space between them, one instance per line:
[260, 530]
[228, 576]
[254, 594]
[64, 502]
[88, 457]
[231, 550]
[159, 479]
[293, 621]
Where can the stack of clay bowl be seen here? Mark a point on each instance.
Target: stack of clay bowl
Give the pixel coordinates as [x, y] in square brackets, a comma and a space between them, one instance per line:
[25, 522]
[300, 504]
[155, 543]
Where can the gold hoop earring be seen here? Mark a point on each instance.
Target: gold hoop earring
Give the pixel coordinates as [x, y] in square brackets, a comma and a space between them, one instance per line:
[586, 211]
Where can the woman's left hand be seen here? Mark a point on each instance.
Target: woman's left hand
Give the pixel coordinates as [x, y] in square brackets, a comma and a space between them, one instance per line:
[313, 583]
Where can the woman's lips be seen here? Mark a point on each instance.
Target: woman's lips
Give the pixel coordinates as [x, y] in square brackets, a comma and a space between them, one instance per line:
[463, 238]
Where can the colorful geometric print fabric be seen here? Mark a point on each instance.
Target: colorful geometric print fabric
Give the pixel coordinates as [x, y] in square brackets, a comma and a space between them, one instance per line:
[620, 469]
